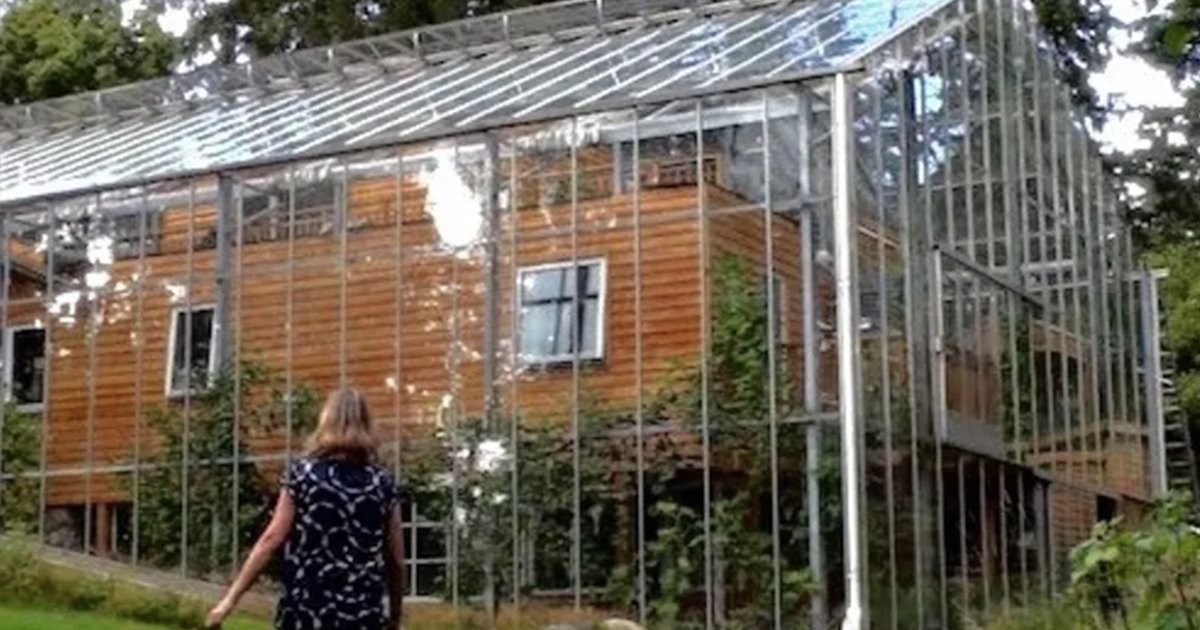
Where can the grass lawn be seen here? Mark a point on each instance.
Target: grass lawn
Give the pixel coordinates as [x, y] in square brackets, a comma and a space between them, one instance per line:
[19, 619]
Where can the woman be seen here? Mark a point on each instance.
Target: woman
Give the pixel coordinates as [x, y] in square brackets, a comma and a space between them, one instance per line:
[339, 515]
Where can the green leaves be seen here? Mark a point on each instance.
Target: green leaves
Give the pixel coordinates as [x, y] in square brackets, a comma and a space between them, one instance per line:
[197, 497]
[1176, 38]
[20, 452]
[1146, 576]
[51, 48]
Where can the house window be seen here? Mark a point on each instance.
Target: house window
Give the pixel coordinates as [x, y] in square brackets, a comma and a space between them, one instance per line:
[25, 365]
[556, 325]
[192, 361]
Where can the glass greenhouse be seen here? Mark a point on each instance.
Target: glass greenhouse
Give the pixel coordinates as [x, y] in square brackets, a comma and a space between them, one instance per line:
[719, 314]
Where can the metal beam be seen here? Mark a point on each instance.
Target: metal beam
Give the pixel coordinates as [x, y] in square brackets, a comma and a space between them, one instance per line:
[845, 239]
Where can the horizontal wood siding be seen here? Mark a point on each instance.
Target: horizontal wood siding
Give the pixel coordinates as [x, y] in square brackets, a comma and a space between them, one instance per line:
[408, 360]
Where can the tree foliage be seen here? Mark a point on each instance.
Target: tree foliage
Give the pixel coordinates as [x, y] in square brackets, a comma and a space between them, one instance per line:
[265, 27]
[51, 48]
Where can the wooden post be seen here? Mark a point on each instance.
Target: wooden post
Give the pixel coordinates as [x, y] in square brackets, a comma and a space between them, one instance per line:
[103, 531]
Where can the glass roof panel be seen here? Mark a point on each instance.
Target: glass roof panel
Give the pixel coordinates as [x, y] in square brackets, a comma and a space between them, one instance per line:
[645, 59]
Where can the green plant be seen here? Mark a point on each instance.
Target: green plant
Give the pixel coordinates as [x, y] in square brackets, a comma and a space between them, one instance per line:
[20, 445]
[475, 456]
[1143, 578]
[193, 467]
[18, 573]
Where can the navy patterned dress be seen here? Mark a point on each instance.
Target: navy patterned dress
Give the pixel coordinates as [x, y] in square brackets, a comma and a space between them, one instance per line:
[334, 573]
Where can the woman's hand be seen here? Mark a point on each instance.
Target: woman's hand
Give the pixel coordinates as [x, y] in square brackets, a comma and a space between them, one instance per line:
[217, 615]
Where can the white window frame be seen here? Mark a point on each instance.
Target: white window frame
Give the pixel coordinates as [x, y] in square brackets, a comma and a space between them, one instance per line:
[601, 309]
[9, 333]
[174, 336]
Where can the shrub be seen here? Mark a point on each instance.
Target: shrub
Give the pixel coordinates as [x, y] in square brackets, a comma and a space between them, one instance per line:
[18, 573]
[27, 581]
[84, 593]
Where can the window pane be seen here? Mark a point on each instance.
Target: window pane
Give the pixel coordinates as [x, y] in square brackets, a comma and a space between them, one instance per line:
[537, 330]
[591, 316]
[202, 324]
[591, 279]
[28, 365]
[566, 331]
[542, 286]
[199, 345]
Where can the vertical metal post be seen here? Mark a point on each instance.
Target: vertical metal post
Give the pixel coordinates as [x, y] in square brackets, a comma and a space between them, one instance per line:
[398, 358]
[772, 363]
[47, 376]
[223, 191]
[811, 393]
[915, 208]
[342, 224]
[239, 246]
[705, 357]
[844, 239]
[90, 330]
[491, 315]
[885, 349]
[289, 318]
[576, 343]
[514, 358]
[639, 368]
[139, 362]
[491, 279]
[226, 207]
[1152, 343]
[1095, 336]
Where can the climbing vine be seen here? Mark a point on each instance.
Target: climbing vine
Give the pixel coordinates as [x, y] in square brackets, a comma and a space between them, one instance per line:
[194, 463]
[20, 445]
[546, 480]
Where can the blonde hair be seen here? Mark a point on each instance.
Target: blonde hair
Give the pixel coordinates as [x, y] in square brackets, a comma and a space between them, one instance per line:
[344, 430]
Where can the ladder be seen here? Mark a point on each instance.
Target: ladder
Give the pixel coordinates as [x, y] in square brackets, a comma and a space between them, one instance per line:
[1182, 473]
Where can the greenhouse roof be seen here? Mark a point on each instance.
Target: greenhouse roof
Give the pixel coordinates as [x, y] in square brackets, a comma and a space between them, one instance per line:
[579, 56]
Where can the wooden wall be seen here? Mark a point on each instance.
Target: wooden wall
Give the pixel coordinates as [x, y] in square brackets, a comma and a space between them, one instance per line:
[413, 313]
[414, 316]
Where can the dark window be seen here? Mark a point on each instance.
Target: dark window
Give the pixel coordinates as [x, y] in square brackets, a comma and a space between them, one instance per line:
[27, 365]
[191, 350]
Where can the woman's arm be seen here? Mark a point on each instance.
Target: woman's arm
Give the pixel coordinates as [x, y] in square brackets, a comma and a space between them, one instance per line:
[395, 567]
[270, 542]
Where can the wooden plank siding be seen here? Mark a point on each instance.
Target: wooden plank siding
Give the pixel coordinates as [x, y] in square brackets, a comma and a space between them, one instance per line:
[441, 316]
[410, 360]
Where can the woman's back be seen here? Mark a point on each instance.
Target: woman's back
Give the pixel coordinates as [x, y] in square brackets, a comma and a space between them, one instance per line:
[335, 574]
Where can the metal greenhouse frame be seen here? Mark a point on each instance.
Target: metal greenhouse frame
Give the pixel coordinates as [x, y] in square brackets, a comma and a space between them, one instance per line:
[715, 314]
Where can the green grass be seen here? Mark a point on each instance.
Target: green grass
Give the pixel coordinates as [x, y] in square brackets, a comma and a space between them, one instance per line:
[22, 619]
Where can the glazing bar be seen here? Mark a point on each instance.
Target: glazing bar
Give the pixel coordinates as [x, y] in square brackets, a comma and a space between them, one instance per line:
[289, 320]
[576, 353]
[885, 359]
[639, 367]
[772, 363]
[47, 376]
[849, 368]
[811, 387]
[91, 329]
[705, 357]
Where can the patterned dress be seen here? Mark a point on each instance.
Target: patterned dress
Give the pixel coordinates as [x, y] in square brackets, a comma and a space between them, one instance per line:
[334, 573]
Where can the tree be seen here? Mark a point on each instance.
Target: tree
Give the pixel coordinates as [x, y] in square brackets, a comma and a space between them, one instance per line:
[264, 27]
[51, 48]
